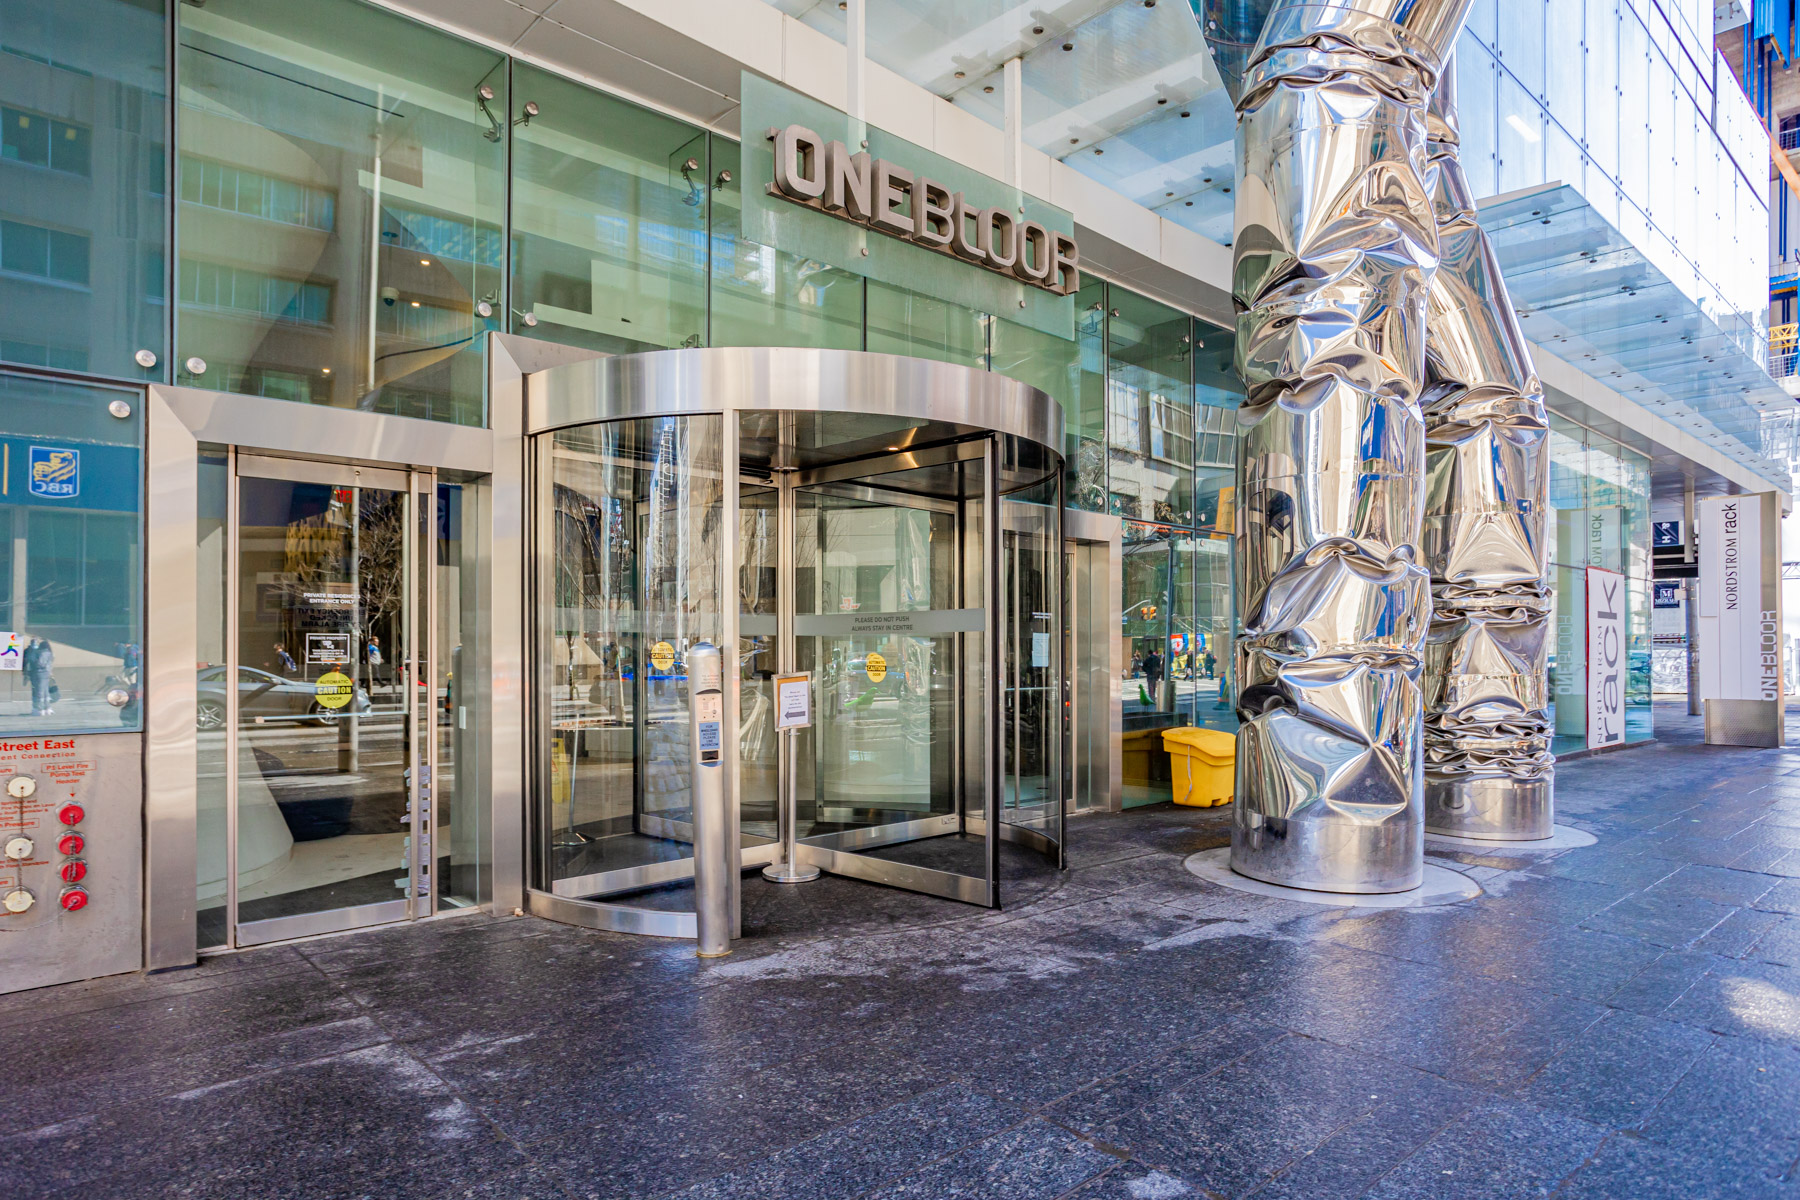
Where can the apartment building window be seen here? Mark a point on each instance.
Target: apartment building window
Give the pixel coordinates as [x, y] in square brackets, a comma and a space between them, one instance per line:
[234, 189]
[41, 141]
[236, 289]
[43, 253]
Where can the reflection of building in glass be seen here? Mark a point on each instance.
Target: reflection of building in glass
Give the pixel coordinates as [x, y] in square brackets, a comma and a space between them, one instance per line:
[82, 139]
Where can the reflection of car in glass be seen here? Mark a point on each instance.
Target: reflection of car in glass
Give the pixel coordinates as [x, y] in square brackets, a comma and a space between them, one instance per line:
[262, 694]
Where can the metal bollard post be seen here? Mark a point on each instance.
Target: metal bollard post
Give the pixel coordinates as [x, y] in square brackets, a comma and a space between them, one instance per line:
[714, 856]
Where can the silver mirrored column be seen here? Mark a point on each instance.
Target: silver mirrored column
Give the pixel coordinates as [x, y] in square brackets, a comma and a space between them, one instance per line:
[1335, 247]
[1488, 766]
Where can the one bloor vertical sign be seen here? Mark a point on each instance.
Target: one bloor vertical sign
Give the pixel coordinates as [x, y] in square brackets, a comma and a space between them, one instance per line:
[1606, 660]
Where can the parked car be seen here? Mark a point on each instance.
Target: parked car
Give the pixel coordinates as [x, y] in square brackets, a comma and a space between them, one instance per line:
[264, 694]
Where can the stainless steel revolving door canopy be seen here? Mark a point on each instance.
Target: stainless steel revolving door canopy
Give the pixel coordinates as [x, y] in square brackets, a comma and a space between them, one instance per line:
[891, 526]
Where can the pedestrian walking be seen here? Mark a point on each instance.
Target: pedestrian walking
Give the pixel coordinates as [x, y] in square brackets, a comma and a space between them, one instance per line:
[38, 664]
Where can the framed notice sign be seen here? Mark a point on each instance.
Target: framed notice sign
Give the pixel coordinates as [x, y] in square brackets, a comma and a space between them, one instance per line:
[793, 701]
[1606, 660]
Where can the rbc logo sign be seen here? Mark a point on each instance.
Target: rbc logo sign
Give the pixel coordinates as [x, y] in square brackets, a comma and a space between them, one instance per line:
[55, 473]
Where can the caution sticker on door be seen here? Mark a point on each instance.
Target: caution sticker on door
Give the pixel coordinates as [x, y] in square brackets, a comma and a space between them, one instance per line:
[334, 689]
[875, 667]
[662, 656]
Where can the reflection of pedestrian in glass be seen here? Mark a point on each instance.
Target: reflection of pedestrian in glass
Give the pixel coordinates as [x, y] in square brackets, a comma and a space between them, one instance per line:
[374, 657]
[37, 665]
[288, 665]
[1212, 665]
[1153, 671]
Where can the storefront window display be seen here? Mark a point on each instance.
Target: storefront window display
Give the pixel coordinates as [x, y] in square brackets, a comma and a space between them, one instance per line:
[1600, 502]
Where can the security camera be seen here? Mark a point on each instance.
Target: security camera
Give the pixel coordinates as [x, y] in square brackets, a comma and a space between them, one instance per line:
[390, 296]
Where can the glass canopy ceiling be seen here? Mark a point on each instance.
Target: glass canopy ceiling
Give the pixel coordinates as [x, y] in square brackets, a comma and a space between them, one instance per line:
[1127, 92]
[1589, 296]
[1124, 91]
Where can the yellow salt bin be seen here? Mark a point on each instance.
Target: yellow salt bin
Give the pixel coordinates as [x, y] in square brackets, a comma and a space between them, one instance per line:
[1202, 765]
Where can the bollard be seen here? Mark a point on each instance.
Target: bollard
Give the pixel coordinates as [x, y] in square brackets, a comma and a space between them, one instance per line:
[715, 858]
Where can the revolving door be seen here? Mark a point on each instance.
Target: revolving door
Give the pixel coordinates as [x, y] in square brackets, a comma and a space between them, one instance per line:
[891, 526]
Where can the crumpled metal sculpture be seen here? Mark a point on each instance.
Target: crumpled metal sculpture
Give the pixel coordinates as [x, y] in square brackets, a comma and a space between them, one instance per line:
[1335, 249]
[1488, 766]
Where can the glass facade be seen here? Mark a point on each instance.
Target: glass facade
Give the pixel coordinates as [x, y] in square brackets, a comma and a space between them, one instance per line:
[341, 176]
[1600, 517]
[1628, 102]
[83, 134]
[71, 575]
[357, 197]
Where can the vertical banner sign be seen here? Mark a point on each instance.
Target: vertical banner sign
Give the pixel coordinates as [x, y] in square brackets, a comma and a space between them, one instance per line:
[1740, 641]
[1606, 662]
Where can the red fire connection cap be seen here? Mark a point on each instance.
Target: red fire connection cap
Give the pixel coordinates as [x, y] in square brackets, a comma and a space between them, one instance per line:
[71, 843]
[71, 814]
[74, 871]
[73, 899]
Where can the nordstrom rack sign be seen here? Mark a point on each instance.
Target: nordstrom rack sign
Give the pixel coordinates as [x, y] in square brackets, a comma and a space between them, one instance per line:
[890, 199]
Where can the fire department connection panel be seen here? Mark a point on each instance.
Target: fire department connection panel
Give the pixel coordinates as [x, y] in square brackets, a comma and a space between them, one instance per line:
[71, 858]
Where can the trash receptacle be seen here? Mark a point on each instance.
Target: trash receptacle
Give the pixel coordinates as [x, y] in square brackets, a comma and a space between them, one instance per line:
[1202, 765]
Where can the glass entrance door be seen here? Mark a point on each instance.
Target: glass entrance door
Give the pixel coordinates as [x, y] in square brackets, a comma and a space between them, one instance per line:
[884, 623]
[329, 704]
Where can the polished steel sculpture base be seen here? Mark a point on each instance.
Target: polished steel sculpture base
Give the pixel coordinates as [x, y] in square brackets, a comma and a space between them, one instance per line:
[1322, 856]
[1562, 837]
[1437, 885]
[1492, 810]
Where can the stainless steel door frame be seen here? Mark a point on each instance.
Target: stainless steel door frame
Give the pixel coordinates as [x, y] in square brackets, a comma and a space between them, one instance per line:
[1096, 674]
[178, 420]
[418, 662]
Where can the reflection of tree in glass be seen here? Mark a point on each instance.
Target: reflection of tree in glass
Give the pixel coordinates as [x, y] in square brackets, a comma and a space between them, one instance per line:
[330, 551]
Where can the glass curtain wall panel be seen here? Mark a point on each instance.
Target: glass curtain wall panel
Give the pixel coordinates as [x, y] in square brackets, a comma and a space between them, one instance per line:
[212, 856]
[609, 220]
[459, 708]
[1150, 410]
[903, 322]
[341, 186]
[762, 296]
[1217, 397]
[1085, 425]
[1048, 363]
[83, 115]
[1600, 495]
[71, 575]
[1158, 627]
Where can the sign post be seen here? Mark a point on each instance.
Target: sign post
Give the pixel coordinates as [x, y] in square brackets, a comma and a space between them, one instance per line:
[715, 858]
[793, 712]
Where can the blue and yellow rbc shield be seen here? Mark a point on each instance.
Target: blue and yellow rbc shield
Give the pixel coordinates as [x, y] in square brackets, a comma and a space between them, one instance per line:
[55, 472]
